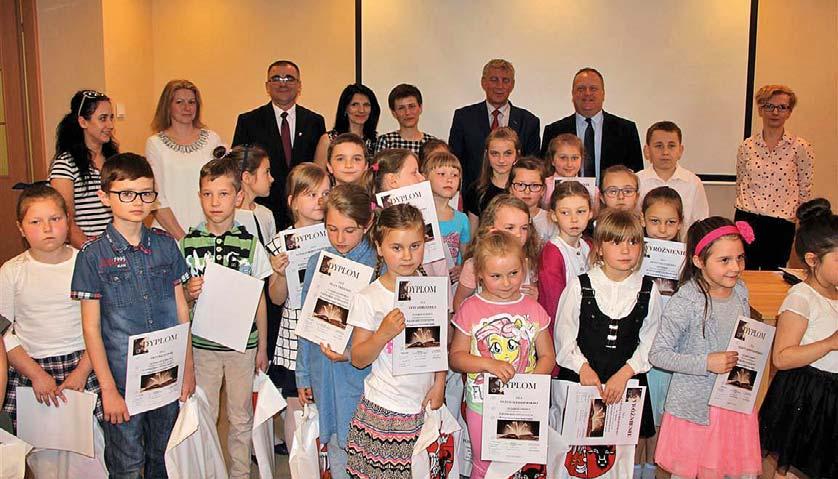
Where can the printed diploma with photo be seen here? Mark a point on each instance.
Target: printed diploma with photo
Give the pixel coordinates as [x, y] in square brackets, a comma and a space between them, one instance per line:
[155, 368]
[326, 309]
[515, 418]
[737, 390]
[588, 421]
[420, 196]
[423, 345]
[300, 244]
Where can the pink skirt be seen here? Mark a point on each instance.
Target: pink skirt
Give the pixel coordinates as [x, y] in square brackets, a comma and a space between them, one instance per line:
[728, 446]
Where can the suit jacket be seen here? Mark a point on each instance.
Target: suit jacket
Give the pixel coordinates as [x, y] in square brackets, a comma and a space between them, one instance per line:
[259, 127]
[470, 128]
[620, 141]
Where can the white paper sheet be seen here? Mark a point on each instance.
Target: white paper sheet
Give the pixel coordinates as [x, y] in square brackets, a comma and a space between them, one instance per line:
[155, 368]
[588, 421]
[663, 259]
[300, 244]
[326, 309]
[738, 389]
[515, 414]
[422, 346]
[420, 196]
[226, 308]
[68, 427]
[587, 182]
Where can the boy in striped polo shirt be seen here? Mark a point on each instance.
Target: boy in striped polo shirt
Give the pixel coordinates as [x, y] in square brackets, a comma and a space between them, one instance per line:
[221, 240]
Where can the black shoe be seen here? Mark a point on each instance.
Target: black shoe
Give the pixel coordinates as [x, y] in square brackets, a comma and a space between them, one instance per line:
[281, 449]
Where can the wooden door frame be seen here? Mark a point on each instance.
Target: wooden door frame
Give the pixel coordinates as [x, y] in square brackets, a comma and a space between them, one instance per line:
[27, 12]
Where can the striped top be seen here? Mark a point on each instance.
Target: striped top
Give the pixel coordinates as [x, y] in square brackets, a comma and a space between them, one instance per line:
[90, 214]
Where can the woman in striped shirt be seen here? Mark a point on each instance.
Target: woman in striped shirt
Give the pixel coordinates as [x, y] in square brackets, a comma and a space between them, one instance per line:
[84, 139]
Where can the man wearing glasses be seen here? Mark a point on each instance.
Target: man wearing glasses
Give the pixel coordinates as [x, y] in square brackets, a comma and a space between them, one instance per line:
[287, 131]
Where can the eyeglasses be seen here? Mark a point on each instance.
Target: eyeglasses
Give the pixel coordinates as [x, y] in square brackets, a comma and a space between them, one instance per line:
[770, 107]
[613, 191]
[88, 95]
[534, 187]
[129, 196]
[287, 79]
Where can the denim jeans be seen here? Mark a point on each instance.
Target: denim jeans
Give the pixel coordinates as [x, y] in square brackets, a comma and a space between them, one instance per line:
[337, 458]
[135, 449]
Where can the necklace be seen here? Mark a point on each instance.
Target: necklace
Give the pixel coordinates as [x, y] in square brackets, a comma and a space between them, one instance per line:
[192, 148]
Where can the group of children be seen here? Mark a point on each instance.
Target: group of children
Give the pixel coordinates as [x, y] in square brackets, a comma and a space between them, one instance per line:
[545, 279]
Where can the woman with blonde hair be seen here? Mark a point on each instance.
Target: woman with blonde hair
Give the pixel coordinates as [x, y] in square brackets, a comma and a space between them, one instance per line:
[176, 152]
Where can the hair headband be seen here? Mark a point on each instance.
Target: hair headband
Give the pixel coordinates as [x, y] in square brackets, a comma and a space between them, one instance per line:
[741, 229]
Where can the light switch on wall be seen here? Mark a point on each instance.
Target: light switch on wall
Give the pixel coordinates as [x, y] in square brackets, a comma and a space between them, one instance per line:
[120, 111]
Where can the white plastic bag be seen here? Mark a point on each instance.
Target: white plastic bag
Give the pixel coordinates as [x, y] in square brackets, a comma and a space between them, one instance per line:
[13, 453]
[193, 449]
[303, 459]
[54, 464]
[436, 449]
[268, 403]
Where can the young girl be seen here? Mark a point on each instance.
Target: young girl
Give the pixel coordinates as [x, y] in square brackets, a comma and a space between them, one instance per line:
[395, 168]
[698, 440]
[46, 349]
[509, 214]
[498, 331]
[502, 148]
[526, 182]
[323, 375]
[606, 321]
[346, 159]
[256, 183]
[443, 170]
[390, 415]
[798, 417]
[662, 214]
[565, 155]
[308, 188]
[619, 188]
[565, 255]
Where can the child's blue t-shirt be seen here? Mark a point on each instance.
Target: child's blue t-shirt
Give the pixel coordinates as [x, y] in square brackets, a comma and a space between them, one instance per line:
[455, 231]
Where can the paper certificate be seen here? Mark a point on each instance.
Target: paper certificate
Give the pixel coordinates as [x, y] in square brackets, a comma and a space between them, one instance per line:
[155, 368]
[664, 260]
[515, 418]
[226, 308]
[300, 244]
[423, 345]
[737, 390]
[420, 196]
[68, 427]
[589, 183]
[588, 421]
[326, 309]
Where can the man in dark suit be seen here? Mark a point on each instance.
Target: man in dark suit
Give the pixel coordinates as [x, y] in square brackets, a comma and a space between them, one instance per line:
[609, 140]
[287, 131]
[473, 123]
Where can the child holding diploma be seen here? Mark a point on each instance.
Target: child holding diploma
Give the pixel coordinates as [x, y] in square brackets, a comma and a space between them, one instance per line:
[696, 439]
[443, 170]
[389, 417]
[797, 419]
[117, 302]
[45, 345]
[498, 330]
[606, 321]
[221, 240]
[308, 188]
[323, 375]
[564, 155]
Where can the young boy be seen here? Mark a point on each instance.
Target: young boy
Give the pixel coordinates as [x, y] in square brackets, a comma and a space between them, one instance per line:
[406, 106]
[664, 149]
[221, 240]
[129, 282]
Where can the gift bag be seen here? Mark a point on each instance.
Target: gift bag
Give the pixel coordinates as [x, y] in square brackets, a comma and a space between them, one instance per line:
[193, 449]
[267, 402]
[435, 451]
[54, 464]
[13, 453]
[463, 457]
[307, 458]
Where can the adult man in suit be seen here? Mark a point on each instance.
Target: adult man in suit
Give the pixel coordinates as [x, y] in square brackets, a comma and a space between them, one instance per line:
[287, 131]
[609, 140]
[473, 123]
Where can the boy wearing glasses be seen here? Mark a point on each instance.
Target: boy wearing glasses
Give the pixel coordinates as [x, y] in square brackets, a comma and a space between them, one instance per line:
[221, 240]
[663, 150]
[129, 282]
[526, 182]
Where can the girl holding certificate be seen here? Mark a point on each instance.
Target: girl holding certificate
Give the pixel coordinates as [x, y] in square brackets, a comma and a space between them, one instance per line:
[390, 415]
[696, 439]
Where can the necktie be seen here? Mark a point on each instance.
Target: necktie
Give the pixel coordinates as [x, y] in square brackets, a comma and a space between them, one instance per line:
[285, 133]
[495, 122]
[589, 166]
